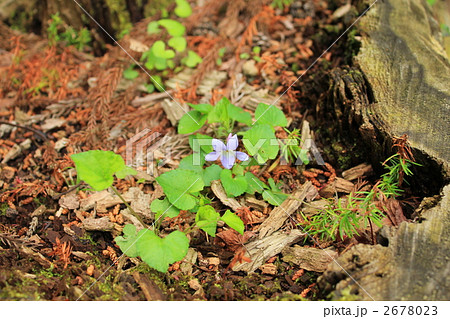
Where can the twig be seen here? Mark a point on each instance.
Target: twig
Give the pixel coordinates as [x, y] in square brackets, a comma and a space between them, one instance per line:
[71, 189]
[131, 210]
[41, 134]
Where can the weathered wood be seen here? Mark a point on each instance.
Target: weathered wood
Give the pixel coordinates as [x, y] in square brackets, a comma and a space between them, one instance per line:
[98, 224]
[399, 85]
[358, 171]
[262, 249]
[308, 258]
[217, 188]
[279, 214]
[150, 289]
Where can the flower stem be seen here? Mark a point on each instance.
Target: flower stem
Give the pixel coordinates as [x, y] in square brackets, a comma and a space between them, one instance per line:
[131, 210]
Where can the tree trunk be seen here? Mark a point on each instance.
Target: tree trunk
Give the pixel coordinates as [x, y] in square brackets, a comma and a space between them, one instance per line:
[400, 86]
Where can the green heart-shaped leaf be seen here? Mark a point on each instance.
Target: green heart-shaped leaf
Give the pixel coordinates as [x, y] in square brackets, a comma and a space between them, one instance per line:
[254, 184]
[153, 27]
[159, 50]
[233, 221]
[163, 206]
[183, 9]
[178, 43]
[233, 186]
[261, 142]
[159, 252]
[206, 219]
[211, 173]
[178, 185]
[192, 59]
[127, 242]
[191, 122]
[270, 114]
[97, 168]
[174, 28]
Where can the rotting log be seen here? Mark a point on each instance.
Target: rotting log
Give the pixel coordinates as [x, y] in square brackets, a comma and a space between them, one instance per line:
[398, 85]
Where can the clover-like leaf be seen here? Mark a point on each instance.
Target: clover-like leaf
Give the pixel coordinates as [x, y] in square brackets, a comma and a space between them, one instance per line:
[97, 168]
[269, 114]
[130, 73]
[261, 143]
[153, 27]
[233, 221]
[178, 43]
[174, 28]
[159, 252]
[127, 242]
[178, 185]
[206, 219]
[191, 122]
[159, 50]
[164, 207]
[233, 186]
[192, 59]
[183, 9]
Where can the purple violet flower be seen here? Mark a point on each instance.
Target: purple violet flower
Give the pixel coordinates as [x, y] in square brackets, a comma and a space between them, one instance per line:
[228, 153]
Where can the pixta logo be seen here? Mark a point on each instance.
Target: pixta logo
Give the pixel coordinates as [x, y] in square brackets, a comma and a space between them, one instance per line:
[145, 150]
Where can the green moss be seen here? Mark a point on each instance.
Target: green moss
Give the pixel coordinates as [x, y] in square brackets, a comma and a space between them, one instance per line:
[155, 7]
[3, 208]
[121, 18]
[18, 287]
[344, 295]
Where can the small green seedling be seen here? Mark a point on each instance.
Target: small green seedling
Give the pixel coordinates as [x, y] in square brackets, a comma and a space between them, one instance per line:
[360, 208]
[183, 8]
[58, 31]
[130, 73]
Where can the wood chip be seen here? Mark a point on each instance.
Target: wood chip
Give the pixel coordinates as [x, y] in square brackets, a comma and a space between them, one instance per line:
[69, 201]
[311, 259]
[16, 150]
[39, 211]
[361, 170]
[314, 207]
[279, 214]
[139, 202]
[150, 289]
[339, 185]
[98, 224]
[217, 188]
[90, 270]
[251, 201]
[269, 269]
[262, 249]
[194, 284]
[174, 110]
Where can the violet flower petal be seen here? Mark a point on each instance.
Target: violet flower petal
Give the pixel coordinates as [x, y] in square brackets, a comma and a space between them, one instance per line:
[241, 156]
[218, 145]
[212, 156]
[232, 142]
[228, 159]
